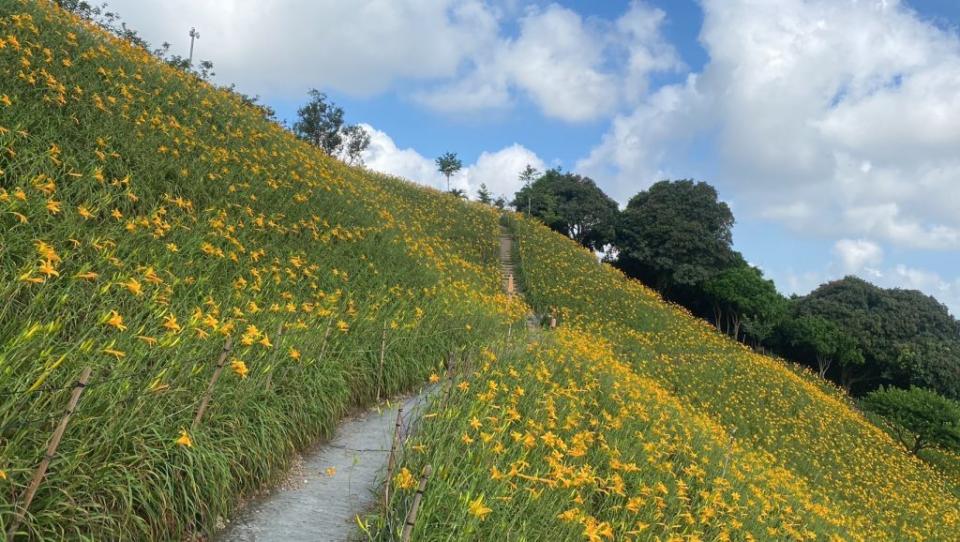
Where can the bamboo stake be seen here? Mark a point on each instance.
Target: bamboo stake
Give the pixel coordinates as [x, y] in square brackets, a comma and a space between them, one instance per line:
[415, 507]
[50, 453]
[383, 349]
[391, 461]
[276, 354]
[227, 346]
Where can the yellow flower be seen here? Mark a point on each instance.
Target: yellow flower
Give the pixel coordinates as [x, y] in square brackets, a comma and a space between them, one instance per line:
[170, 323]
[434, 378]
[239, 367]
[477, 508]
[294, 354]
[5, 100]
[184, 439]
[47, 269]
[265, 341]
[404, 479]
[116, 321]
[475, 423]
[330, 472]
[84, 212]
[133, 285]
[53, 207]
[466, 439]
[89, 275]
[343, 326]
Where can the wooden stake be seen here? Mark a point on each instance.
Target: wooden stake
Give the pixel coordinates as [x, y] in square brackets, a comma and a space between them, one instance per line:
[276, 355]
[383, 350]
[227, 346]
[391, 461]
[415, 507]
[50, 453]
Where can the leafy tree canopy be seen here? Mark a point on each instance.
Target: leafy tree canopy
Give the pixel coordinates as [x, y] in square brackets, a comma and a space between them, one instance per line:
[919, 417]
[741, 297]
[571, 204]
[676, 232]
[905, 336]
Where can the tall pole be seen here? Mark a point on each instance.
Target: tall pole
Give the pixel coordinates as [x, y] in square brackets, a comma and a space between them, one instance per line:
[194, 35]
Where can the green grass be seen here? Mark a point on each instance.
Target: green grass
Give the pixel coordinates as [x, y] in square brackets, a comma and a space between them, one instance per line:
[131, 189]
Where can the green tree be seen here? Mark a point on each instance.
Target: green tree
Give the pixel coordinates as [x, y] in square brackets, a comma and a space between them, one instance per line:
[741, 297]
[572, 205]
[355, 140]
[448, 164]
[500, 203]
[484, 195]
[459, 193]
[906, 337]
[919, 418]
[824, 341]
[320, 122]
[675, 233]
[527, 176]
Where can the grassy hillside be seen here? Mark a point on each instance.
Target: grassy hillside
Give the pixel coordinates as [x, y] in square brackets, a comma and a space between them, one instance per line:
[637, 421]
[145, 218]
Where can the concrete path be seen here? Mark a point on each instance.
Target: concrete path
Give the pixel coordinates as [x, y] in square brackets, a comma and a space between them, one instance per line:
[338, 480]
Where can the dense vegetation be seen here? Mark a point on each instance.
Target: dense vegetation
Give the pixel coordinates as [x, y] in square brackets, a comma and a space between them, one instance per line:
[147, 216]
[676, 237]
[638, 421]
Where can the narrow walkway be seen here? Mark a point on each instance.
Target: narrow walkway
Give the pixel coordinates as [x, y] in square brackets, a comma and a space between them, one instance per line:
[322, 496]
[508, 273]
[324, 493]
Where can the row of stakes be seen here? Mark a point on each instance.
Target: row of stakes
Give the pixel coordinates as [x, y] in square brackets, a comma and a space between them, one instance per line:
[27, 497]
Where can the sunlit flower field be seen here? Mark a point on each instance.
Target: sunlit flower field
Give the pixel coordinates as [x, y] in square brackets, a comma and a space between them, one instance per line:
[145, 218]
[636, 421]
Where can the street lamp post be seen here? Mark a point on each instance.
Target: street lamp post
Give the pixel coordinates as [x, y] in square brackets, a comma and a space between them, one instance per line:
[194, 35]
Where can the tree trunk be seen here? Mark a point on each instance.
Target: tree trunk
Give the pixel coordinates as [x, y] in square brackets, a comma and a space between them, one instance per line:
[823, 365]
[736, 326]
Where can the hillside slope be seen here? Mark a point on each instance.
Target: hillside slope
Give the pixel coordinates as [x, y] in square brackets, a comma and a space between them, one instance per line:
[146, 217]
[637, 421]
[808, 427]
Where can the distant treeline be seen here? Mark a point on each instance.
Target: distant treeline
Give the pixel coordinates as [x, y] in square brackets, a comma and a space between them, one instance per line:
[676, 237]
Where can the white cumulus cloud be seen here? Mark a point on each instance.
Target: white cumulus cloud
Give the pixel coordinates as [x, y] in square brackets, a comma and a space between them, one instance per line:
[857, 255]
[562, 62]
[836, 117]
[283, 47]
[499, 170]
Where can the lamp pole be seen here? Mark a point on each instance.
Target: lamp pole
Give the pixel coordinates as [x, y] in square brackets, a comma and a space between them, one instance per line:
[194, 35]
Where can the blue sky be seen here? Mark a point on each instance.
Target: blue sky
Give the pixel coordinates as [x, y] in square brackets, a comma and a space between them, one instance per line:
[828, 125]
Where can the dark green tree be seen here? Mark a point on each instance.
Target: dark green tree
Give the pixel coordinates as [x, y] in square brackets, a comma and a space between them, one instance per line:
[484, 195]
[675, 233]
[320, 121]
[448, 164]
[919, 418]
[813, 336]
[500, 203]
[741, 297]
[572, 205]
[906, 337]
[459, 193]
